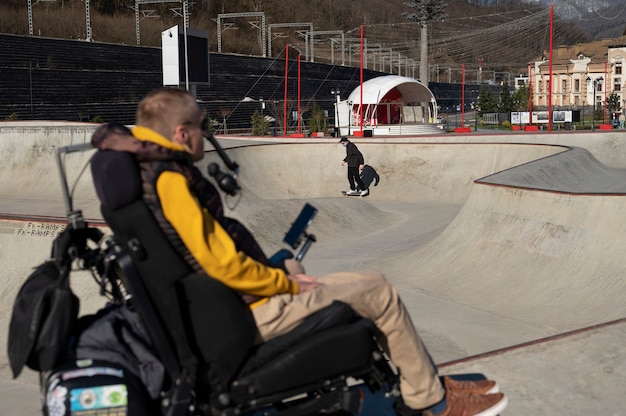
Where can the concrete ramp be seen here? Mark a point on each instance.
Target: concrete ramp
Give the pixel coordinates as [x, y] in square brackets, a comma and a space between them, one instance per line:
[553, 260]
[551, 256]
[575, 171]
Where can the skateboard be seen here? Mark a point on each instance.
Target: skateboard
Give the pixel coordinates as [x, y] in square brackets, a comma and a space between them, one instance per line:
[345, 193]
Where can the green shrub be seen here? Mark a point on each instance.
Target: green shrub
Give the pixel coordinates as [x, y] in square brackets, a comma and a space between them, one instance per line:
[211, 121]
[260, 125]
[317, 120]
[506, 124]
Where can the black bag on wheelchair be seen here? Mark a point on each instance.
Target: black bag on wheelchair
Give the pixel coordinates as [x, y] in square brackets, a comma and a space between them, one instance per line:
[43, 320]
[114, 370]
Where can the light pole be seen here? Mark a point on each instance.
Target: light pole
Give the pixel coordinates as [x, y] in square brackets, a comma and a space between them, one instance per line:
[584, 105]
[349, 117]
[263, 123]
[595, 83]
[599, 82]
[476, 110]
[337, 94]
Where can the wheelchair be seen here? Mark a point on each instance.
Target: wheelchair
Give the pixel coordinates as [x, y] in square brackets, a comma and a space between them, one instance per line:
[200, 333]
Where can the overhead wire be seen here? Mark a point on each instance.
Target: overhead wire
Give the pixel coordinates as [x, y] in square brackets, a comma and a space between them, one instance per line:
[500, 39]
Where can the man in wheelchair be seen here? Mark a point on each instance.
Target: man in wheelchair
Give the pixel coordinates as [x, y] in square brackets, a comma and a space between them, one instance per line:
[167, 139]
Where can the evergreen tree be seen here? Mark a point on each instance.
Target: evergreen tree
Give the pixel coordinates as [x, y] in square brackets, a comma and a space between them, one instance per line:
[317, 120]
[506, 104]
[521, 98]
[260, 125]
[425, 11]
[613, 104]
[486, 102]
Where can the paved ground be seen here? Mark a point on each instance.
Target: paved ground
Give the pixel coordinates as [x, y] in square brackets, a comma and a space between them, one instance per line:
[493, 241]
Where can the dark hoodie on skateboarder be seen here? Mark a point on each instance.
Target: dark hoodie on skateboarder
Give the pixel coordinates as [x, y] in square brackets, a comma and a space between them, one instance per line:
[355, 161]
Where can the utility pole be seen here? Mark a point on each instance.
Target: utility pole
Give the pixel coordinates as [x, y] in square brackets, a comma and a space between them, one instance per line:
[424, 54]
[425, 11]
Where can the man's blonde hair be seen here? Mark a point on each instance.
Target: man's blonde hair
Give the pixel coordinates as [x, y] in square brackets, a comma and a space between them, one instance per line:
[165, 108]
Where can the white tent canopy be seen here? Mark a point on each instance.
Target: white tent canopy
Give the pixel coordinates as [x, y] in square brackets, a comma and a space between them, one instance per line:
[375, 89]
[388, 103]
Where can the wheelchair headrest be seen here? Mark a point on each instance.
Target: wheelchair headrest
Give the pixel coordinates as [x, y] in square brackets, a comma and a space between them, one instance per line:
[116, 178]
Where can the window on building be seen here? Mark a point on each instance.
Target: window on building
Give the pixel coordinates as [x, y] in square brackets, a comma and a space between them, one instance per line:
[618, 69]
[564, 85]
[617, 84]
[576, 85]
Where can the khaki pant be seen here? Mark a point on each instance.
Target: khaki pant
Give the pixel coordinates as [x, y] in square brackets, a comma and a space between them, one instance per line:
[372, 297]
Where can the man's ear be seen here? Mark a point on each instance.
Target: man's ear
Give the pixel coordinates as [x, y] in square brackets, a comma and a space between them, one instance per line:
[181, 135]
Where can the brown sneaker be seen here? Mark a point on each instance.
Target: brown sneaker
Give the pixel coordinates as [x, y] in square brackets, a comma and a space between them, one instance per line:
[474, 386]
[464, 404]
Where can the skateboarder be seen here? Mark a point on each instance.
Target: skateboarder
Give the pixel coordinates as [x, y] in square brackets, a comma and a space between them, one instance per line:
[355, 161]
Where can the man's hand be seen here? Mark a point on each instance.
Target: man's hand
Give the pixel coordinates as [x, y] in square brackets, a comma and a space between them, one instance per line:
[305, 282]
[343, 162]
[361, 167]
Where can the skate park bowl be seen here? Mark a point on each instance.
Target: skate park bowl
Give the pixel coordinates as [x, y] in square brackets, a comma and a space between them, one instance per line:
[506, 248]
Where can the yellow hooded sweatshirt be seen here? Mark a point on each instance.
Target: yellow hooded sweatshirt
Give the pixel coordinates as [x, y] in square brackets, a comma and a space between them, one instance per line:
[205, 238]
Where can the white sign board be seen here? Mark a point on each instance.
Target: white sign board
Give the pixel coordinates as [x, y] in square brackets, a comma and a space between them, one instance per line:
[185, 59]
[540, 117]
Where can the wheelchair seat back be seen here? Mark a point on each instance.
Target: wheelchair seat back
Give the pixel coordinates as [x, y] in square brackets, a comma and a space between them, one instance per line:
[195, 310]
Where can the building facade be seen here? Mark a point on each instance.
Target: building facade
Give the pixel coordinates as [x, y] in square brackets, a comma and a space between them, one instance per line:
[578, 83]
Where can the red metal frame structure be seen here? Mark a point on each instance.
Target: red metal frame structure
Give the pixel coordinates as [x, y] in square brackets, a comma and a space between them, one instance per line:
[463, 95]
[550, 78]
[606, 83]
[462, 129]
[530, 94]
[285, 93]
[360, 132]
[299, 115]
